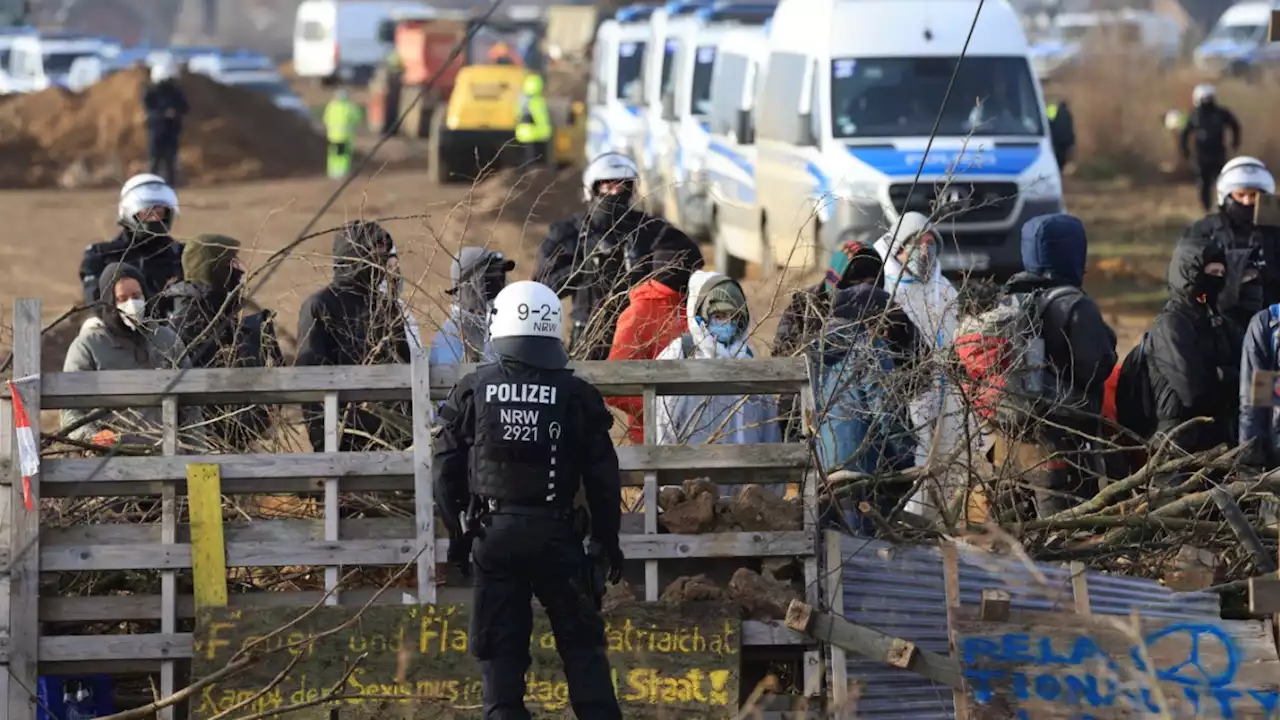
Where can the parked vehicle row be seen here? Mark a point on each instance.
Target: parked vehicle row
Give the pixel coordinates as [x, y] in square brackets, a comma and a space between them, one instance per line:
[772, 131]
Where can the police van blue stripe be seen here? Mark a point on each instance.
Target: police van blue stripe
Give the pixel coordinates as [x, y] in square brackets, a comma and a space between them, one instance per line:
[1007, 160]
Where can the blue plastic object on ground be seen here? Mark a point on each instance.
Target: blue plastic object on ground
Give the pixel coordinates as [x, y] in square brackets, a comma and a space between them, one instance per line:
[75, 698]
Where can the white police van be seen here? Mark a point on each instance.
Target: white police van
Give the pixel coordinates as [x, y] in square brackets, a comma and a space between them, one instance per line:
[734, 213]
[41, 60]
[851, 93]
[656, 80]
[1238, 42]
[681, 161]
[613, 92]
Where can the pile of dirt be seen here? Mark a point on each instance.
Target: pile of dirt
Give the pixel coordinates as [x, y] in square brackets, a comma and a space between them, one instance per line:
[57, 138]
[698, 508]
[762, 597]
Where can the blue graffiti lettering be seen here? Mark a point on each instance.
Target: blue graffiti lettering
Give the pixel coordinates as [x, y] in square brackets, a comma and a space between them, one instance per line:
[1073, 676]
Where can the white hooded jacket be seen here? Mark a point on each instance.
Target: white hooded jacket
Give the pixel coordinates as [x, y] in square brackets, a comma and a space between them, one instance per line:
[699, 419]
[931, 303]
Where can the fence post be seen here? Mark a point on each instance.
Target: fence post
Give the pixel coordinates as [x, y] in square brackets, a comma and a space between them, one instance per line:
[813, 663]
[168, 536]
[650, 491]
[424, 505]
[332, 435]
[24, 560]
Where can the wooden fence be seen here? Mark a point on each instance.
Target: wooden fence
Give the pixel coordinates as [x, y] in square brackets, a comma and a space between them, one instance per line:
[331, 542]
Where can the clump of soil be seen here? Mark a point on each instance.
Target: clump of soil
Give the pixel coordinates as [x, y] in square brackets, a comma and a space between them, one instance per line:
[698, 508]
[98, 137]
[761, 597]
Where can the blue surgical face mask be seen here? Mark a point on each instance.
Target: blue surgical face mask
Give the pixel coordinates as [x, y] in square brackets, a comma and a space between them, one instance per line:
[724, 332]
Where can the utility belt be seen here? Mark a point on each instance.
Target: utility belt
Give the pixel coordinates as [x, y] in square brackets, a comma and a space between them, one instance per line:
[506, 507]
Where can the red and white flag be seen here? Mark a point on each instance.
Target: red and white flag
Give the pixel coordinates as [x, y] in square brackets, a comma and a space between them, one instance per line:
[28, 444]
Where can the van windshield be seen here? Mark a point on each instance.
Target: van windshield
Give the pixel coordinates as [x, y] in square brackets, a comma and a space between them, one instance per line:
[900, 96]
[59, 63]
[703, 63]
[630, 62]
[1237, 33]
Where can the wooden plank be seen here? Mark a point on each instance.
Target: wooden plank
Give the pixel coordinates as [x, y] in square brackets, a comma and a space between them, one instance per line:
[833, 581]
[24, 568]
[650, 409]
[872, 644]
[1060, 665]
[424, 506]
[951, 585]
[362, 472]
[1264, 596]
[1080, 588]
[80, 648]
[419, 650]
[208, 545]
[331, 510]
[168, 537]
[138, 388]
[813, 665]
[317, 553]
[8, 450]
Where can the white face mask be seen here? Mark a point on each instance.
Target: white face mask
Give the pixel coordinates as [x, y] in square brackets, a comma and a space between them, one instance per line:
[132, 311]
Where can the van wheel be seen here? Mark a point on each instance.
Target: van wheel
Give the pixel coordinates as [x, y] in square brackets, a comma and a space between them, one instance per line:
[733, 267]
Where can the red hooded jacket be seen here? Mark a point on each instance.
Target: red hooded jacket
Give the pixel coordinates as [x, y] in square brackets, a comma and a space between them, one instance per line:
[650, 323]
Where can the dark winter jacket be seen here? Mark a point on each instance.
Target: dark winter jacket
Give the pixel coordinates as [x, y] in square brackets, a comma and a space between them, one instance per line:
[1194, 356]
[1260, 353]
[1079, 345]
[159, 100]
[1237, 236]
[809, 308]
[352, 321]
[597, 264]
[157, 257]
[1206, 131]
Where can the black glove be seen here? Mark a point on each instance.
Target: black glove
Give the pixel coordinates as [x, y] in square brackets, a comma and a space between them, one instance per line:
[459, 554]
[613, 554]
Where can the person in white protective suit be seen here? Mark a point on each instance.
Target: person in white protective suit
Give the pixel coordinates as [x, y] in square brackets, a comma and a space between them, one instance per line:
[719, 322]
[913, 276]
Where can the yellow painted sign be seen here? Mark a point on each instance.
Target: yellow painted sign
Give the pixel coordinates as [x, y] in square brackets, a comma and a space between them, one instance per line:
[413, 661]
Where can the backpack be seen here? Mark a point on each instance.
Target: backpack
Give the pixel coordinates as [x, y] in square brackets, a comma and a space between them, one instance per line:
[1002, 352]
[1135, 401]
[861, 424]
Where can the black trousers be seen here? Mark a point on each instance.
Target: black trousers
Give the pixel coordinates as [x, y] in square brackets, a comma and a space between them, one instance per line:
[162, 147]
[1207, 171]
[517, 558]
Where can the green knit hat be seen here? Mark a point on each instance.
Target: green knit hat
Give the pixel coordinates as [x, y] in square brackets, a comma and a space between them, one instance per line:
[206, 259]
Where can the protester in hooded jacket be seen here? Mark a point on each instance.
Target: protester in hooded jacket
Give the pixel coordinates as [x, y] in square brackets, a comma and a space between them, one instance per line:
[1231, 225]
[1260, 424]
[1080, 351]
[120, 337]
[357, 319]
[802, 323]
[718, 322]
[599, 255]
[1194, 353]
[208, 317]
[862, 389]
[478, 275]
[654, 317]
[913, 276]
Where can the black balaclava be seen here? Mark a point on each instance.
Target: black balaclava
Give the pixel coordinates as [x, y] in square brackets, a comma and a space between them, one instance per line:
[1187, 278]
[675, 258]
[1239, 215]
[106, 308]
[361, 252]
[152, 234]
[605, 211]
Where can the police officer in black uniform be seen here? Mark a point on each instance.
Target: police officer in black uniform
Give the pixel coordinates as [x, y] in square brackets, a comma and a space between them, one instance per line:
[517, 438]
[148, 207]
[1207, 125]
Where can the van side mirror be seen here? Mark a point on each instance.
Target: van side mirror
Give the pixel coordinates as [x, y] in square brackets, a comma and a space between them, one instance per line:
[743, 129]
[387, 32]
[669, 106]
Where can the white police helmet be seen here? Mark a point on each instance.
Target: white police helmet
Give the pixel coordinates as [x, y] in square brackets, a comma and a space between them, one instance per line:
[606, 167]
[525, 325]
[165, 68]
[1202, 93]
[142, 192]
[1244, 173]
